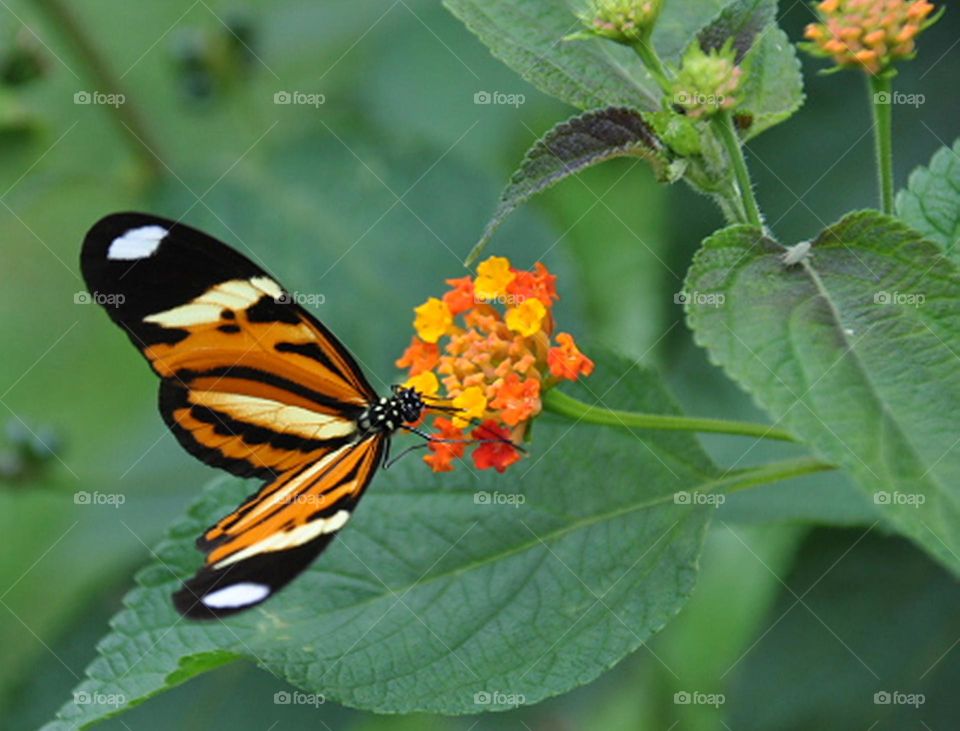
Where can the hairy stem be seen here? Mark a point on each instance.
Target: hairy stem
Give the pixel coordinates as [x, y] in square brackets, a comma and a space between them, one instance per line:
[723, 125]
[653, 63]
[881, 104]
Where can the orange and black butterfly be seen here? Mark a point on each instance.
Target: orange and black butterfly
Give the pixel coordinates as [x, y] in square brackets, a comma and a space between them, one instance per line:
[251, 383]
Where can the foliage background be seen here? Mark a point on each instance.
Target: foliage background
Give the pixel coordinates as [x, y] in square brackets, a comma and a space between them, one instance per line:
[308, 189]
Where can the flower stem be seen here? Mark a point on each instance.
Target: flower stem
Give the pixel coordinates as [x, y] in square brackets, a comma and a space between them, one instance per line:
[768, 473]
[881, 104]
[560, 403]
[723, 125]
[653, 63]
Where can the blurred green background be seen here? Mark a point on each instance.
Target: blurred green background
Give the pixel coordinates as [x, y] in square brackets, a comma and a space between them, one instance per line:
[372, 199]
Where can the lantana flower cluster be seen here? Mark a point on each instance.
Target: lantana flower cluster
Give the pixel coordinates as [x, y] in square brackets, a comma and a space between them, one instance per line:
[869, 34]
[624, 21]
[487, 348]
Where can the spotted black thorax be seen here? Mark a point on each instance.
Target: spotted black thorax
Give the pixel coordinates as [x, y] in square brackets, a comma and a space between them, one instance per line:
[403, 407]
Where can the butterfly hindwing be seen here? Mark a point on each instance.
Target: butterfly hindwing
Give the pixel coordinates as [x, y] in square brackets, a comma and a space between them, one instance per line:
[275, 534]
[251, 383]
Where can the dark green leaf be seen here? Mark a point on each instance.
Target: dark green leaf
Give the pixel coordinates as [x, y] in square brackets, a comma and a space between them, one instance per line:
[742, 21]
[572, 146]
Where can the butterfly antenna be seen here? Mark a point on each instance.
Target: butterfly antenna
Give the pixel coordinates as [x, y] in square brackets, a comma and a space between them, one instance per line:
[388, 463]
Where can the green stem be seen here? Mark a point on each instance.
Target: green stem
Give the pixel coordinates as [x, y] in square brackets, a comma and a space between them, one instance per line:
[768, 473]
[125, 114]
[653, 63]
[881, 103]
[560, 403]
[723, 125]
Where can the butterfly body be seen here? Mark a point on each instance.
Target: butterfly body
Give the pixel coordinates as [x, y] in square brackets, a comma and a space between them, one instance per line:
[251, 383]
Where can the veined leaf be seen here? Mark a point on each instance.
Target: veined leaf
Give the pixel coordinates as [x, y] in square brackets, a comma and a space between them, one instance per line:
[773, 88]
[572, 146]
[528, 36]
[454, 593]
[848, 349]
[931, 201]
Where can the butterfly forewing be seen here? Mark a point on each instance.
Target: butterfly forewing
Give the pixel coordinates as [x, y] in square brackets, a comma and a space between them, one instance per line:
[251, 383]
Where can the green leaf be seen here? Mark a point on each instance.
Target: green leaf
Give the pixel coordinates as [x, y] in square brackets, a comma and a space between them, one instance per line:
[528, 36]
[572, 146]
[742, 21]
[875, 611]
[773, 86]
[931, 201]
[848, 349]
[432, 596]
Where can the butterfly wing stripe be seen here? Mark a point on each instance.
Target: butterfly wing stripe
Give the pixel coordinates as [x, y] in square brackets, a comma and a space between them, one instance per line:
[245, 381]
[309, 426]
[208, 308]
[241, 448]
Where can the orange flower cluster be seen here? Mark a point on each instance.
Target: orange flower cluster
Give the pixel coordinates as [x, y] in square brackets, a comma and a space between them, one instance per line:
[869, 34]
[486, 347]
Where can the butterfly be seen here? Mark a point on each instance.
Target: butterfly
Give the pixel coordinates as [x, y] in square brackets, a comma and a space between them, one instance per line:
[253, 384]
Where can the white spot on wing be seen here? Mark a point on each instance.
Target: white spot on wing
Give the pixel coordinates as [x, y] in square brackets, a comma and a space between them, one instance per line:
[137, 243]
[239, 595]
